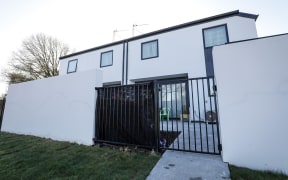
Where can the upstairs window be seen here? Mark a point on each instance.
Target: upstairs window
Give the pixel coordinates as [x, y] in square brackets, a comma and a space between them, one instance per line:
[72, 66]
[149, 49]
[106, 59]
[214, 36]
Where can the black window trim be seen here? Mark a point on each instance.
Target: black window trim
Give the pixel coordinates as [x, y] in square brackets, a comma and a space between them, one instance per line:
[101, 58]
[151, 56]
[68, 72]
[203, 36]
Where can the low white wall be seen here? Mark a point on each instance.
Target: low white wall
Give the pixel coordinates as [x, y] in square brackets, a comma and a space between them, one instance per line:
[252, 80]
[60, 108]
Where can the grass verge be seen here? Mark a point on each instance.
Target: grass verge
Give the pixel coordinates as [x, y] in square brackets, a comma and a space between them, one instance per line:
[29, 157]
[239, 173]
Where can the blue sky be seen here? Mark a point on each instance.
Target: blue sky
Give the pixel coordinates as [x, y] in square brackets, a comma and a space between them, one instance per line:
[84, 24]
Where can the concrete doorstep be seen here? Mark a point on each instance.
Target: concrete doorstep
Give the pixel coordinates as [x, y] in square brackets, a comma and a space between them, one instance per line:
[189, 166]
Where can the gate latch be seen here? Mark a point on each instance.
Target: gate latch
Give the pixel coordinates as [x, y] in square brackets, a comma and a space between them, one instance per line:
[220, 147]
[214, 88]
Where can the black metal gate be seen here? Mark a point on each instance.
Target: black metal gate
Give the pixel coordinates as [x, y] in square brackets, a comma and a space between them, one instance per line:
[125, 116]
[173, 114]
[188, 119]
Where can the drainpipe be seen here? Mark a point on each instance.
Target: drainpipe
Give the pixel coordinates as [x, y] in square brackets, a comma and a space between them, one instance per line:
[127, 51]
[123, 60]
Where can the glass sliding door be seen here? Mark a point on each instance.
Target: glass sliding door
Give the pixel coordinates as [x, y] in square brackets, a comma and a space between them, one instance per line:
[173, 95]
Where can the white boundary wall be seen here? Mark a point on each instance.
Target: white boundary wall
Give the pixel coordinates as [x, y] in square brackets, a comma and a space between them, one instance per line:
[60, 108]
[252, 80]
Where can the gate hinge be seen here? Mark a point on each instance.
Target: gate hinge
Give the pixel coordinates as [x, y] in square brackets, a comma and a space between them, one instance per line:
[219, 147]
[214, 88]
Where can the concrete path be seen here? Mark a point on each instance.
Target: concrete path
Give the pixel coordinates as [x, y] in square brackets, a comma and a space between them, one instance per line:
[196, 136]
[189, 166]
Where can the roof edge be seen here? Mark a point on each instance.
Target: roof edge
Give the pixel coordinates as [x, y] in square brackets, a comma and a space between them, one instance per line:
[172, 28]
[247, 15]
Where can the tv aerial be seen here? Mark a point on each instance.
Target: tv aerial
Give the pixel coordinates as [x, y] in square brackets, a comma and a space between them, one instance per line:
[135, 29]
[115, 33]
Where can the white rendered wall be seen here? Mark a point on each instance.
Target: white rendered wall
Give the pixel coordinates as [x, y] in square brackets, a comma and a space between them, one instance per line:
[91, 60]
[61, 108]
[180, 51]
[252, 80]
[240, 28]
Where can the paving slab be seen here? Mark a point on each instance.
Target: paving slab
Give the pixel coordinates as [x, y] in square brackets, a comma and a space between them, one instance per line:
[189, 166]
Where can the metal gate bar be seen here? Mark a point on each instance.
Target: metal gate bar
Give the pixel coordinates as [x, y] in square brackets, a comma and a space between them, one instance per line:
[2, 108]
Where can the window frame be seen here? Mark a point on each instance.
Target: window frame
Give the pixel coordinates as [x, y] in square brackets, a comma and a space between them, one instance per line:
[68, 72]
[110, 51]
[143, 43]
[203, 35]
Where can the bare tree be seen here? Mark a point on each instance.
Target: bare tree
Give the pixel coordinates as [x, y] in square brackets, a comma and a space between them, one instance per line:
[37, 58]
[2, 96]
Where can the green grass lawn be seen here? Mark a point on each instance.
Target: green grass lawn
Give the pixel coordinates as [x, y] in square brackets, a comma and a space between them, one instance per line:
[29, 157]
[239, 173]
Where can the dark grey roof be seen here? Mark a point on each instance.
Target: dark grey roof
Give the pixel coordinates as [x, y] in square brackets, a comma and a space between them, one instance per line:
[192, 23]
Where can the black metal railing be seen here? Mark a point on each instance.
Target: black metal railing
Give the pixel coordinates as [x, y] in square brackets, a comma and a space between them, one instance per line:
[178, 115]
[125, 115]
[2, 107]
